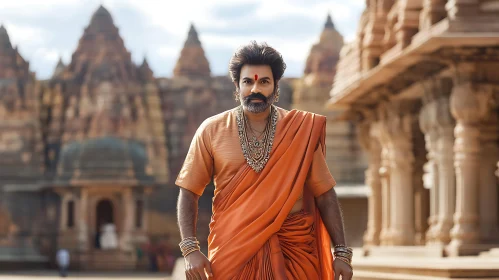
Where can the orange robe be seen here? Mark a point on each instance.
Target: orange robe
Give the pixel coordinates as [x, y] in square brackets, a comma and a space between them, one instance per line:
[252, 234]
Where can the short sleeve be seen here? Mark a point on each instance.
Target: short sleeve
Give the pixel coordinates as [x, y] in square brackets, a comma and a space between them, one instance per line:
[197, 170]
[319, 178]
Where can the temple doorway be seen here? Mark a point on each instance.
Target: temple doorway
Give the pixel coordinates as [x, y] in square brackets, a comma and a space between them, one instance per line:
[104, 215]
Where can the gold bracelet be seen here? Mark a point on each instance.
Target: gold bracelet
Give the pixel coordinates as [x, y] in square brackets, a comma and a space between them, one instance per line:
[192, 250]
[189, 245]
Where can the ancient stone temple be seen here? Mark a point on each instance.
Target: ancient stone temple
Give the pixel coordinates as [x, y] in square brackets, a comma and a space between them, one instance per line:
[95, 150]
[421, 83]
[21, 156]
[344, 154]
[105, 144]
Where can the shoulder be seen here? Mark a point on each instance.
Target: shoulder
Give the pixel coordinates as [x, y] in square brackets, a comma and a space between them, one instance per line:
[214, 122]
[306, 114]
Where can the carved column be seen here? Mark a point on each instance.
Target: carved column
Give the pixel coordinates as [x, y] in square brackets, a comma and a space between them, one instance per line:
[427, 123]
[401, 191]
[398, 128]
[489, 231]
[367, 138]
[469, 106]
[83, 220]
[65, 197]
[446, 177]
[128, 219]
[433, 12]
[384, 175]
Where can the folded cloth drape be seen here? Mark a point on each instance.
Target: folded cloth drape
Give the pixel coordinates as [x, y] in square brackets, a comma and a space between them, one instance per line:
[252, 235]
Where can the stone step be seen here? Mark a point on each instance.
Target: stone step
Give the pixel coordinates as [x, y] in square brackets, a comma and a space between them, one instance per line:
[404, 251]
[109, 260]
[429, 268]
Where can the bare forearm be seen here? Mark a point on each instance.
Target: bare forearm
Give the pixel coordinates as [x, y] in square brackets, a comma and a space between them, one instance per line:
[332, 216]
[187, 212]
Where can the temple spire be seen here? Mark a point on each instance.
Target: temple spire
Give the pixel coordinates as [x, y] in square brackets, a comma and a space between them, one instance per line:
[145, 71]
[192, 37]
[4, 38]
[101, 21]
[329, 21]
[192, 61]
[101, 53]
[321, 62]
[59, 68]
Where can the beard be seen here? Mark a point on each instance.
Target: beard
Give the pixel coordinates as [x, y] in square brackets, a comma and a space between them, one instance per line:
[258, 107]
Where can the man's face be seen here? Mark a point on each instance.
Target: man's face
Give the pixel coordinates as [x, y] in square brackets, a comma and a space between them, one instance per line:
[256, 87]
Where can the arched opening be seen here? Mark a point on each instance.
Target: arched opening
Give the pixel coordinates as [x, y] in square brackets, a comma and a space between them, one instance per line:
[103, 216]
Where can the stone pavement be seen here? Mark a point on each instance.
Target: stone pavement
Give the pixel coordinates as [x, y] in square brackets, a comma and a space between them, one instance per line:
[52, 275]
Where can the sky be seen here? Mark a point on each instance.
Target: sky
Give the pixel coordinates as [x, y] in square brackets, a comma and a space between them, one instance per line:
[44, 30]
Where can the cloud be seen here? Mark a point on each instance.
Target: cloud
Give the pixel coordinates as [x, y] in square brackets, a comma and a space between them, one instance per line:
[158, 29]
[234, 11]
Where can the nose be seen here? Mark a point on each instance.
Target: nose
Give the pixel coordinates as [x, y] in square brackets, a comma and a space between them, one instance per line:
[256, 87]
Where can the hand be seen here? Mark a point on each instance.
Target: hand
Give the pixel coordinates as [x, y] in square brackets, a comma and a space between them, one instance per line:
[343, 269]
[195, 265]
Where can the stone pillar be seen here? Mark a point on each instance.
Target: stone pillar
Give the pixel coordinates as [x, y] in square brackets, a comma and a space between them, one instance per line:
[83, 220]
[401, 185]
[397, 124]
[128, 220]
[427, 123]
[488, 197]
[384, 175]
[371, 145]
[446, 177]
[468, 106]
[65, 197]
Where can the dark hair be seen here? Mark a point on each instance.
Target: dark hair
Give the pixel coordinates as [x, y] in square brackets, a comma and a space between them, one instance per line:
[256, 54]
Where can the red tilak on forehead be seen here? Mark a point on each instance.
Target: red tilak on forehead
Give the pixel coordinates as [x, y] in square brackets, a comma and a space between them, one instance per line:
[256, 77]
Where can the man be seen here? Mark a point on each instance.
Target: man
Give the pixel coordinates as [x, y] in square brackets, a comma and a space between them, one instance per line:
[275, 208]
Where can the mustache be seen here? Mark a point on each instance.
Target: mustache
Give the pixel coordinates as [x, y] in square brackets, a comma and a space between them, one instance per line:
[255, 95]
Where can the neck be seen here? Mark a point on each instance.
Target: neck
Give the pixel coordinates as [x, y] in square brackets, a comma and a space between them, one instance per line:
[258, 117]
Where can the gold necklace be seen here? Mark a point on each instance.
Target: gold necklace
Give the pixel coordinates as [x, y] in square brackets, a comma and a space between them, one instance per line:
[256, 152]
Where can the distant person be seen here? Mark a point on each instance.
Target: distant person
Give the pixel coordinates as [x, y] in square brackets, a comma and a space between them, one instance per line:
[108, 237]
[275, 211]
[62, 259]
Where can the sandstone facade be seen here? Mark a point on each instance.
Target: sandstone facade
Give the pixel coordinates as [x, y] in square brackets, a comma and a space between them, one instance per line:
[420, 82]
